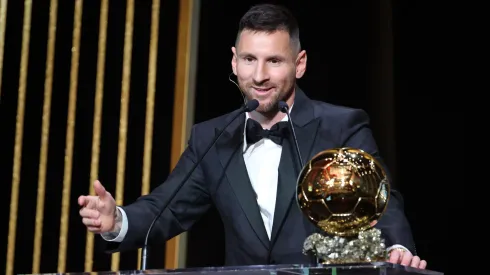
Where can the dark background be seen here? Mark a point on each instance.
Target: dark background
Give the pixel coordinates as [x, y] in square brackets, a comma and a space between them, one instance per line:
[363, 54]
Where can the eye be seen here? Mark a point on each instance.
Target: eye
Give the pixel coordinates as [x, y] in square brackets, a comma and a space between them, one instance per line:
[248, 59]
[275, 61]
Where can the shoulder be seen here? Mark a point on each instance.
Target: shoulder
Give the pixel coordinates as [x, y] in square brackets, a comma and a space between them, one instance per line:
[339, 122]
[343, 125]
[205, 130]
[216, 122]
[340, 114]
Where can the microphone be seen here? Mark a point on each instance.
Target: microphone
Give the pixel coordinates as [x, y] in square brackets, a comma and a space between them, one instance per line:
[283, 106]
[248, 107]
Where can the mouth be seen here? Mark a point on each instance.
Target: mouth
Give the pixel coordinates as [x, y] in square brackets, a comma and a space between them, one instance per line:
[261, 90]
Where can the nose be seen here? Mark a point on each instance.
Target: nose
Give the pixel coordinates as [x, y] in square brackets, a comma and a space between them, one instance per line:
[260, 74]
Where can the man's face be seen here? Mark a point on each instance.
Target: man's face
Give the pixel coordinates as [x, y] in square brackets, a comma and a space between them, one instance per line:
[267, 67]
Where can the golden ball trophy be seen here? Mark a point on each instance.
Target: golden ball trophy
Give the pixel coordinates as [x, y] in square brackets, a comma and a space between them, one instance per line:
[344, 191]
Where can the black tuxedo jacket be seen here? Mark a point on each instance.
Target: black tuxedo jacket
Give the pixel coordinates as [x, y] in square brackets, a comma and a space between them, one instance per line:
[221, 179]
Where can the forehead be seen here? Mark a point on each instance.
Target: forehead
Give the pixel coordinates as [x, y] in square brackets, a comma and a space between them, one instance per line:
[263, 43]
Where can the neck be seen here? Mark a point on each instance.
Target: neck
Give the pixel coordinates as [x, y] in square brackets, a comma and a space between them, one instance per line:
[268, 119]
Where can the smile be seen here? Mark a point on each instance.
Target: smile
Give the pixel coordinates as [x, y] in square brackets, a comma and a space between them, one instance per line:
[262, 90]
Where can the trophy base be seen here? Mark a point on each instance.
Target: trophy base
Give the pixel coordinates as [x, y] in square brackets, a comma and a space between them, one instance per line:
[367, 246]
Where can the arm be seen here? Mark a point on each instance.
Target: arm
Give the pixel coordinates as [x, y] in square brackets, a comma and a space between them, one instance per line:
[393, 224]
[186, 208]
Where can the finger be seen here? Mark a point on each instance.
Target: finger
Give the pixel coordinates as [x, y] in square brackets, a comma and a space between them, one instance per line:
[91, 222]
[94, 229]
[88, 201]
[395, 256]
[406, 258]
[89, 213]
[81, 200]
[99, 189]
[91, 202]
[415, 262]
[422, 264]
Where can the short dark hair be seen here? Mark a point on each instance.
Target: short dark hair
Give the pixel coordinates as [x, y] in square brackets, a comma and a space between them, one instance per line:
[270, 18]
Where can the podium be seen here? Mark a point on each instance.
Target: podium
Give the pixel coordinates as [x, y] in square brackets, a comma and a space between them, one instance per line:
[376, 268]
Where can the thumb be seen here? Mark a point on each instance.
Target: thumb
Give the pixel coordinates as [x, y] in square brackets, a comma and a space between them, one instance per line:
[99, 189]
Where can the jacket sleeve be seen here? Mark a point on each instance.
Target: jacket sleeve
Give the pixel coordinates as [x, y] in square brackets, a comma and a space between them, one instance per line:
[190, 203]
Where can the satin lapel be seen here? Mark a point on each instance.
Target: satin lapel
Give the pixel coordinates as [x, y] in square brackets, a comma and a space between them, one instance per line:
[306, 136]
[230, 154]
[289, 169]
[306, 128]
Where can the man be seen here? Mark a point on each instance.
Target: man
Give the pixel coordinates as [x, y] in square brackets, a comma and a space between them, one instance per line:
[252, 181]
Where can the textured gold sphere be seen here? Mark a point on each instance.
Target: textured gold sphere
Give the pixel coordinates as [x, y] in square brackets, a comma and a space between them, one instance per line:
[343, 191]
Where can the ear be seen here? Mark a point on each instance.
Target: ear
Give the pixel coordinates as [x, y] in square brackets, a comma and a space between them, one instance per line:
[233, 60]
[301, 64]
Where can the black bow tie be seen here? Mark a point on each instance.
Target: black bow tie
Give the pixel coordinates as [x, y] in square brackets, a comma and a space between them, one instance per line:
[255, 132]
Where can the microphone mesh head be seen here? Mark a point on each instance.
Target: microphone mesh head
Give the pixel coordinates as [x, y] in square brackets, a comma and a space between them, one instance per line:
[283, 106]
[252, 105]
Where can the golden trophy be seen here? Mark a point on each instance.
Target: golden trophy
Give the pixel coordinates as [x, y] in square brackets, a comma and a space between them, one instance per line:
[344, 191]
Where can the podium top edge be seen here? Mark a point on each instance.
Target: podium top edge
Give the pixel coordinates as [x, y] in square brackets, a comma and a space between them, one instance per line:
[287, 269]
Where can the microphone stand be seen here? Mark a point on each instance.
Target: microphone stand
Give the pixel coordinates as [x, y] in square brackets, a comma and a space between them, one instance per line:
[283, 106]
[248, 107]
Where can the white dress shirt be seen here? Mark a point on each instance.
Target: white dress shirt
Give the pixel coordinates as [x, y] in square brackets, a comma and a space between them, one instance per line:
[262, 161]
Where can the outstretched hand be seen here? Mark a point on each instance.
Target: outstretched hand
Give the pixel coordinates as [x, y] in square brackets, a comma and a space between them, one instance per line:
[98, 212]
[406, 258]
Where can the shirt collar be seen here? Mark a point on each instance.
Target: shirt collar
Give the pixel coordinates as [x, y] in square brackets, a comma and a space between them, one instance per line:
[247, 116]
